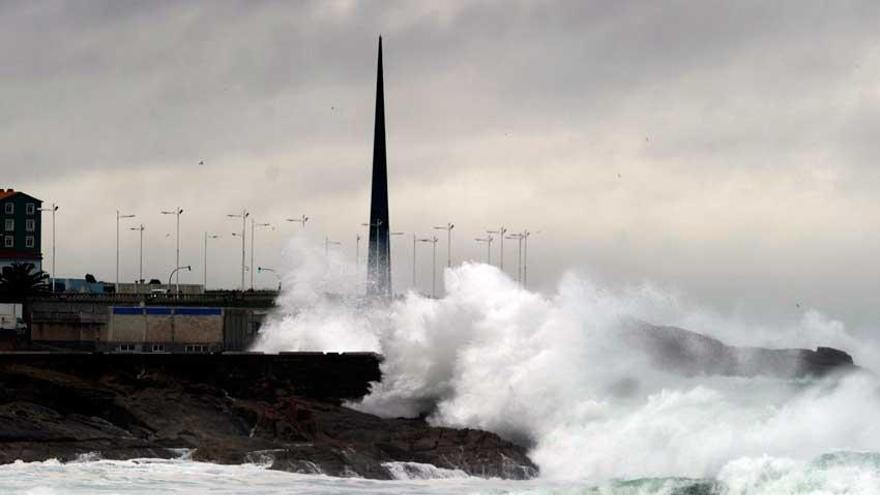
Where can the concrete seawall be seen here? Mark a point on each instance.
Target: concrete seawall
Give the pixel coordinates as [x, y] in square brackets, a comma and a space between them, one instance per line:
[323, 376]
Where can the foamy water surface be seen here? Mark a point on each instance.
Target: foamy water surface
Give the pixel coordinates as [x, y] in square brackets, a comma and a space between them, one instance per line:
[839, 473]
[549, 371]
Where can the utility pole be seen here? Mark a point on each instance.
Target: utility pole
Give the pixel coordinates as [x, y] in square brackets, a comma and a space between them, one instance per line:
[391, 236]
[414, 263]
[118, 216]
[327, 244]
[53, 209]
[448, 228]
[369, 247]
[177, 211]
[273, 272]
[205, 259]
[500, 232]
[140, 229]
[433, 241]
[243, 215]
[254, 224]
[519, 270]
[526, 235]
[488, 240]
[174, 272]
[301, 220]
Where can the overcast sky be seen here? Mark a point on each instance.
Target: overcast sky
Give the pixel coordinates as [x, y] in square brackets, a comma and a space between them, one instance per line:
[725, 150]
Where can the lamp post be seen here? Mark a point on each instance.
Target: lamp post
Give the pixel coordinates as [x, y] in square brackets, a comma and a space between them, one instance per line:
[500, 232]
[328, 243]
[488, 240]
[174, 272]
[118, 216]
[526, 235]
[254, 225]
[414, 263]
[371, 225]
[177, 211]
[243, 216]
[519, 270]
[273, 272]
[301, 220]
[357, 249]
[433, 241]
[53, 209]
[448, 228]
[205, 262]
[140, 230]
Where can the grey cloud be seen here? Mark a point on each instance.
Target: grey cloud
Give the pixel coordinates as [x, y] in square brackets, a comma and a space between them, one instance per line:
[639, 135]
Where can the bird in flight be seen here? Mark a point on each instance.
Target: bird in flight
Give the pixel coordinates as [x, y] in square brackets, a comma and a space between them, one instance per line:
[201, 162]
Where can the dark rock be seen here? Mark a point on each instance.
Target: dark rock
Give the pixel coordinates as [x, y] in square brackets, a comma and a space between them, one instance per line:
[48, 412]
[690, 353]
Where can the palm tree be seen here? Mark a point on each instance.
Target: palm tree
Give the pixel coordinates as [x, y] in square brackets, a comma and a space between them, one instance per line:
[20, 280]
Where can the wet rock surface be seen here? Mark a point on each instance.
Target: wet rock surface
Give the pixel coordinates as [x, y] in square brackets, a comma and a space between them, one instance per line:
[690, 353]
[122, 414]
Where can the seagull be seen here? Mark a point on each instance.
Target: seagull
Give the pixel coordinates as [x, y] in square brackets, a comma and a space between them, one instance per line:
[201, 162]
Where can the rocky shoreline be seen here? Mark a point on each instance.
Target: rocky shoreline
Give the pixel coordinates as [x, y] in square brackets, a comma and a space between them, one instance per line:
[58, 414]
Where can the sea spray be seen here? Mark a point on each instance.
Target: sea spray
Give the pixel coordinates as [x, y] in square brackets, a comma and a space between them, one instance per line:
[552, 372]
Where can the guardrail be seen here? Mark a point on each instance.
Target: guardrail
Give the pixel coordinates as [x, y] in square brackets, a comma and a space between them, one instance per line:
[256, 299]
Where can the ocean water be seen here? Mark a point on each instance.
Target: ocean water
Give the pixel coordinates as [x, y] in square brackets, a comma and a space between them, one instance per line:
[548, 370]
[840, 473]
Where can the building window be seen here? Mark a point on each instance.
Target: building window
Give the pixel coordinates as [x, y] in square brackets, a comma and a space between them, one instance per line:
[29, 241]
[158, 348]
[30, 208]
[29, 224]
[126, 348]
[194, 348]
[10, 208]
[9, 241]
[10, 225]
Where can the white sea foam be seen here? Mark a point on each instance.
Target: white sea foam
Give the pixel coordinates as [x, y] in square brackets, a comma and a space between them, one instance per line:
[842, 473]
[551, 370]
[421, 471]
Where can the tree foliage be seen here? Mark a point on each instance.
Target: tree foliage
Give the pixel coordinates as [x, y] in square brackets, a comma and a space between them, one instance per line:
[20, 280]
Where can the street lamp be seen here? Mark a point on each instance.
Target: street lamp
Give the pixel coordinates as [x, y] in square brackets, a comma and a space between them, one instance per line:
[488, 240]
[140, 229]
[254, 225]
[177, 211]
[243, 216]
[433, 241]
[371, 226]
[519, 237]
[205, 263]
[500, 232]
[53, 209]
[414, 263]
[273, 272]
[174, 272]
[448, 228]
[118, 216]
[328, 243]
[526, 235]
[301, 220]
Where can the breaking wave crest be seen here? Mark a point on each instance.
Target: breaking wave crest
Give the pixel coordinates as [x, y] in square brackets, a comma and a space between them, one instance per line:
[551, 372]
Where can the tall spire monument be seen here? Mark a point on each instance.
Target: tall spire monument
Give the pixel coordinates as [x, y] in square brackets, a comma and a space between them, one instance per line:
[379, 258]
